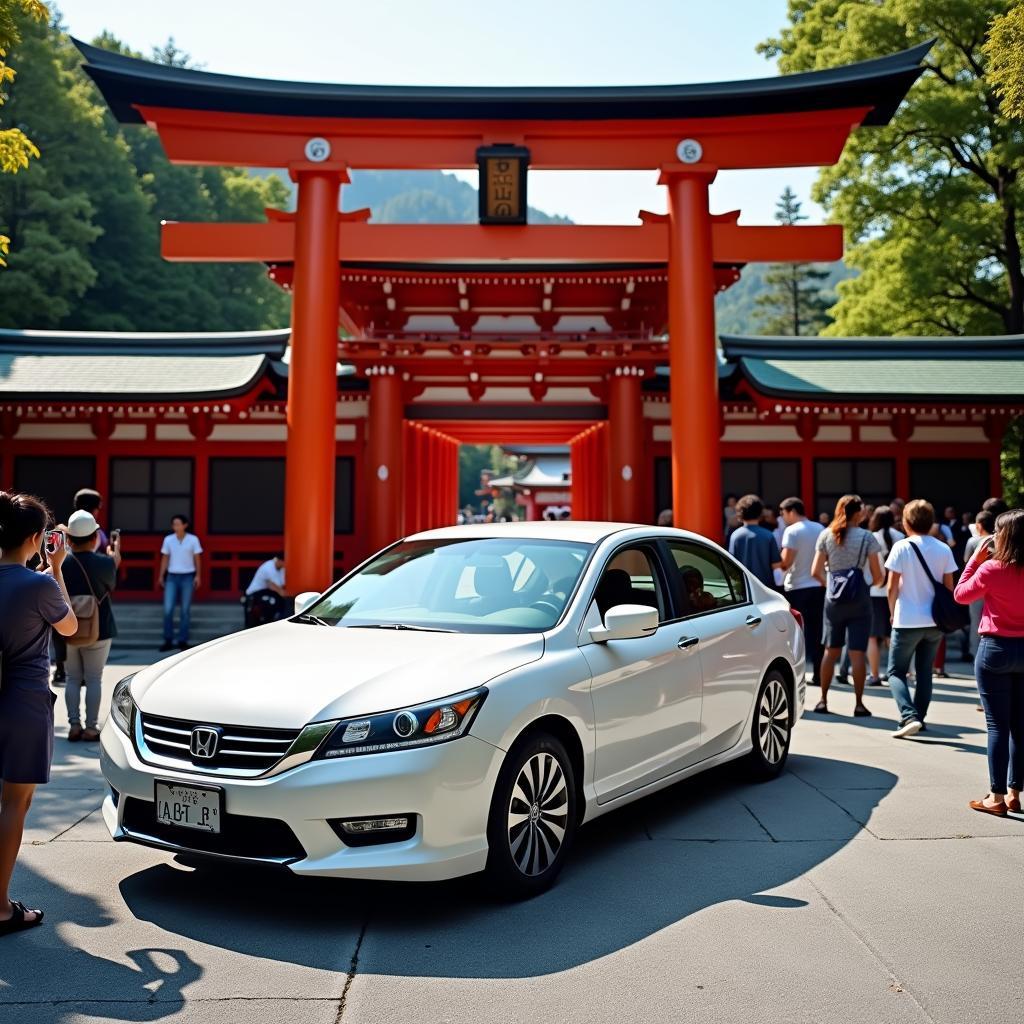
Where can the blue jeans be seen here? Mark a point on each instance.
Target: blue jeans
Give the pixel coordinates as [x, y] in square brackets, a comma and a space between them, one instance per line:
[919, 645]
[178, 588]
[999, 669]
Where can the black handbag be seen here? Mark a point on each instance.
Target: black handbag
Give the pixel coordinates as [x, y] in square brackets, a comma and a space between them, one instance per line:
[949, 616]
[847, 586]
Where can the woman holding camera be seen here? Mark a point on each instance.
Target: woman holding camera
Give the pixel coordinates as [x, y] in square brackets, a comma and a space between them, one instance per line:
[30, 603]
[996, 574]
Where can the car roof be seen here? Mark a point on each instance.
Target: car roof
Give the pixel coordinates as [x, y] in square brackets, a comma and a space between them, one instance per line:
[573, 530]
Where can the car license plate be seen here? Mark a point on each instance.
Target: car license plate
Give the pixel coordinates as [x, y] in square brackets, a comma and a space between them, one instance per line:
[188, 806]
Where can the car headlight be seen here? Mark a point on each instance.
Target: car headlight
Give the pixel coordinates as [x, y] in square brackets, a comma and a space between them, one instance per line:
[121, 704]
[419, 726]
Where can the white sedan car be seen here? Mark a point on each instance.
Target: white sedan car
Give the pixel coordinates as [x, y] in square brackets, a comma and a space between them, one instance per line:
[461, 702]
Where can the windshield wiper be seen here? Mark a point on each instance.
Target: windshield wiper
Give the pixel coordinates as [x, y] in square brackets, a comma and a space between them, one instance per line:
[400, 625]
[312, 620]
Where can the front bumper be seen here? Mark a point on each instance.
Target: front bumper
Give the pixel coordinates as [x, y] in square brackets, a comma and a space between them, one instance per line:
[448, 787]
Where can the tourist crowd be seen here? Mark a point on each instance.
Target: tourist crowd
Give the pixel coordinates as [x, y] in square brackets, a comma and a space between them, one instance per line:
[891, 584]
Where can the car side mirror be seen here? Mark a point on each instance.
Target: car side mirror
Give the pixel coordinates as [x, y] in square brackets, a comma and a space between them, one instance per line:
[625, 622]
[304, 600]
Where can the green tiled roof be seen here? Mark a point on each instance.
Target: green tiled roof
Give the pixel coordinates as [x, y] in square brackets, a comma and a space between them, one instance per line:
[128, 377]
[968, 369]
[888, 378]
[68, 365]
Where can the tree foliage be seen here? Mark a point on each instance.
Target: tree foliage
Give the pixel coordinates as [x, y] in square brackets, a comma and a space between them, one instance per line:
[794, 300]
[85, 219]
[1004, 49]
[932, 202]
[16, 148]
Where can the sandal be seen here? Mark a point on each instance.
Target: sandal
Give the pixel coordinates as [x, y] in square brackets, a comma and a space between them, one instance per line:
[821, 708]
[861, 712]
[90, 735]
[18, 922]
[74, 734]
[999, 809]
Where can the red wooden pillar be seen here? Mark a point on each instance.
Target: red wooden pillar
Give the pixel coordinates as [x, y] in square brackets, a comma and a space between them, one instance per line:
[693, 381]
[902, 428]
[312, 384]
[807, 427]
[384, 458]
[409, 434]
[625, 445]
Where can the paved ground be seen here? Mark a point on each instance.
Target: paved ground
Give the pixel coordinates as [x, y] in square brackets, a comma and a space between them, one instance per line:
[856, 888]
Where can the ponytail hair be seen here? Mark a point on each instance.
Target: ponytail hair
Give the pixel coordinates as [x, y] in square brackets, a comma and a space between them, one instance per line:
[883, 520]
[847, 508]
[21, 516]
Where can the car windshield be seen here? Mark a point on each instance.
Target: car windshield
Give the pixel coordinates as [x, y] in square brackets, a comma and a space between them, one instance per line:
[465, 585]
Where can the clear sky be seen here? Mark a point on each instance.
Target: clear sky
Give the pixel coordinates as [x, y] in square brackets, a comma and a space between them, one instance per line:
[473, 42]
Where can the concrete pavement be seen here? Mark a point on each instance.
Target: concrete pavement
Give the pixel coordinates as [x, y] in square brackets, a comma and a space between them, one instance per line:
[856, 888]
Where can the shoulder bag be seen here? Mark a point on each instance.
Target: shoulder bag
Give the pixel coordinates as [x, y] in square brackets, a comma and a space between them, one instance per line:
[949, 616]
[847, 585]
[87, 610]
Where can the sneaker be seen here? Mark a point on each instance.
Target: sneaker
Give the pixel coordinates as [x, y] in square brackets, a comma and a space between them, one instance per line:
[845, 680]
[874, 680]
[167, 646]
[909, 728]
[60, 676]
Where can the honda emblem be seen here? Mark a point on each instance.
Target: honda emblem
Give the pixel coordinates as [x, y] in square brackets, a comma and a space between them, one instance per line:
[204, 742]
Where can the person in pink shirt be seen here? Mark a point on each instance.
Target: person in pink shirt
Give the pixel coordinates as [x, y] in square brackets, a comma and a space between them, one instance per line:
[996, 574]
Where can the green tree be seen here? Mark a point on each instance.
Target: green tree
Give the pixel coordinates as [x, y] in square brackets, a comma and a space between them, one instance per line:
[1004, 49]
[931, 202]
[794, 300]
[16, 148]
[85, 219]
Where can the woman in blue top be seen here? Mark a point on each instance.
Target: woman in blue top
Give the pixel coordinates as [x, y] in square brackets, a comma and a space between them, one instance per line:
[30, 604]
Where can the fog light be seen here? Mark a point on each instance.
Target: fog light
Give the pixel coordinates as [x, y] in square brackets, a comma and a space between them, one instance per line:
[364, 825]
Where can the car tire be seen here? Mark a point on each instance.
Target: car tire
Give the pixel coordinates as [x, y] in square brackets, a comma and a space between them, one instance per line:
[532, 819]
[772, 727]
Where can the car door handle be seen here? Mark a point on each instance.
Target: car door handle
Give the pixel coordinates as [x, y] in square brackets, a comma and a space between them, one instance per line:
[753, 620]
[687, 641]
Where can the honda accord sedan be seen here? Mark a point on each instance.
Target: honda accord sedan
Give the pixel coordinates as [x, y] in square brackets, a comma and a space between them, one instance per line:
[461, 702]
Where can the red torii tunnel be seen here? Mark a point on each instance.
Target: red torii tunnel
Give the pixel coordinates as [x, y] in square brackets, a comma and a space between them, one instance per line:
[320, 132]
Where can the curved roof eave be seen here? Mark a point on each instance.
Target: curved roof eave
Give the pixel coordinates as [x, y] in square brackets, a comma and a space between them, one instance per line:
[127, 82]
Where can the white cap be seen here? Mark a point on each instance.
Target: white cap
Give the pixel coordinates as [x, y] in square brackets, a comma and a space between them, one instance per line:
[82, 524]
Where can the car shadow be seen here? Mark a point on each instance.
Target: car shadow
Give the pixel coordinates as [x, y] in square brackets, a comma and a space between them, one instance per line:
[708, 840]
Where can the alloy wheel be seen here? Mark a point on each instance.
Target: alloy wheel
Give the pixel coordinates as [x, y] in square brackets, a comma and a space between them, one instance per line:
[773, 721]
[537, 814]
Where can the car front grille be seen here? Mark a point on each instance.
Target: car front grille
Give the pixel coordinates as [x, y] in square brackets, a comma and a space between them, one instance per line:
[266, 839]
[240, 747]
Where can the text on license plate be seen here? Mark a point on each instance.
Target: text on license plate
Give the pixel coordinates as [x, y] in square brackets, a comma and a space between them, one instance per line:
[188, 806]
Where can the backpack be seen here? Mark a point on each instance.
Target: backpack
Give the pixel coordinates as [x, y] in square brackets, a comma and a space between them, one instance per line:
[87, 610]
[949, 616]
[847, 585]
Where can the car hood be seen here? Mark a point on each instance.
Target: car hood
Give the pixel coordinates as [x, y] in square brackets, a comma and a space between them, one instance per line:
[287, 674]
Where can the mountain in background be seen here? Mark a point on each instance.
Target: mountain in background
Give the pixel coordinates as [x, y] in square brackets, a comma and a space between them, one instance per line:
[437, 197]
[416, 197]
[736, 307]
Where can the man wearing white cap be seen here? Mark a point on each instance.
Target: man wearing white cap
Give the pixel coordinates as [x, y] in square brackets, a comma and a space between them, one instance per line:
[89, 573]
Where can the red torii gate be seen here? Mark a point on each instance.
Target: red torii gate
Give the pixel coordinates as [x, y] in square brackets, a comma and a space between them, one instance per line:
[320, 132]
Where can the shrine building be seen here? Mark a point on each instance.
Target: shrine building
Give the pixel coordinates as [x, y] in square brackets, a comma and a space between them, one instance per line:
[409, 340]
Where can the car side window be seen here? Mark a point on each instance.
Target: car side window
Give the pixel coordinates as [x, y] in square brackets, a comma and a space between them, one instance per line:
[631, 577]
[706, 581]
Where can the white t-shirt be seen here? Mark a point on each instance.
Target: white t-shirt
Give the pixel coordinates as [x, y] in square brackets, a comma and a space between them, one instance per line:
[266, 574]
[801, 538]
[896, 535]
[914, 603]
[181, 553]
